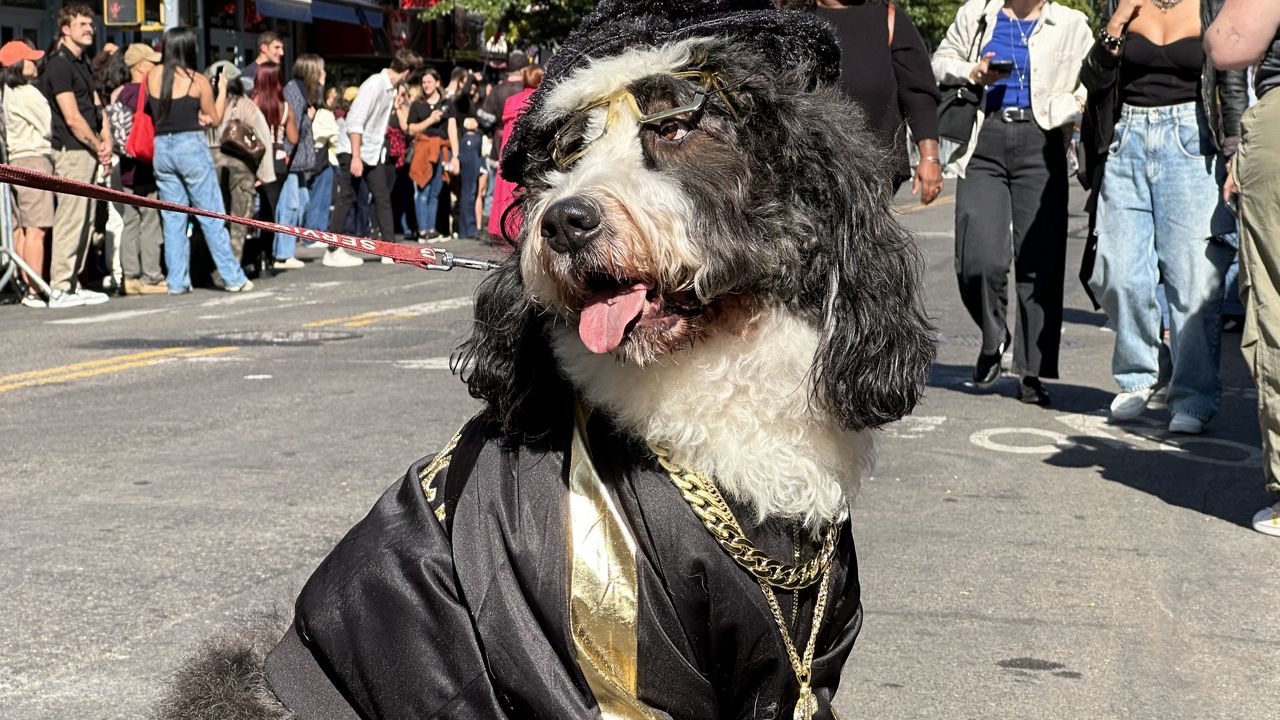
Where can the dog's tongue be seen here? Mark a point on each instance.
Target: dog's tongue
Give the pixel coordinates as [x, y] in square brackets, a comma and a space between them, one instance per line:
[606, 316]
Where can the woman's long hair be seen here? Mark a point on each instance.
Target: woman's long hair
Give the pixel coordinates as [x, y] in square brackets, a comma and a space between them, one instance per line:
[309, 68]
[179, 53]
[268, 93]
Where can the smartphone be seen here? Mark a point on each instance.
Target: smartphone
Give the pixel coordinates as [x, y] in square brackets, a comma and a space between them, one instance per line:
[1001, 66]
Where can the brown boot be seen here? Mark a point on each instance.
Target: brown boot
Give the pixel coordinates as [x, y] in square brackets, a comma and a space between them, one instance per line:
[160, 288]
[132, 286]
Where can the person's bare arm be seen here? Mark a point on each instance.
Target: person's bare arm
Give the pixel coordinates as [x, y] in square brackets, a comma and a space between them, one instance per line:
[453, 144]
[357, 165]
[104, 144]
[1242, 32]
[209, 105]
[75, 121]
[291, 129]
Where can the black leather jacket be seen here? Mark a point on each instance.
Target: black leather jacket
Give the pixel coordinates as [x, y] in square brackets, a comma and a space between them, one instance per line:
[1224, 94]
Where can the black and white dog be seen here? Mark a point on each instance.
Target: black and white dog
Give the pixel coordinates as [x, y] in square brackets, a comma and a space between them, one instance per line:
[708, 269]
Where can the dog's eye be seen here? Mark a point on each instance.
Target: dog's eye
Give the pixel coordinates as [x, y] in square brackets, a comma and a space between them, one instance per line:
[673, 130]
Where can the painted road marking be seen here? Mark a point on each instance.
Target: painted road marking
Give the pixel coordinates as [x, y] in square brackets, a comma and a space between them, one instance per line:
[1143, 431]
[400, 313]
[104, 366]
[107, 317]
[914, 427]
[917, 207]
[433, 363]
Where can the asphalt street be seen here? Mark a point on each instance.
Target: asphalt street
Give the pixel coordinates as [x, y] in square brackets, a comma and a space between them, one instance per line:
[167, 463]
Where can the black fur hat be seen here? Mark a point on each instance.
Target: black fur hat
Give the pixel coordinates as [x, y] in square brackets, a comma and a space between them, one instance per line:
[783, 39]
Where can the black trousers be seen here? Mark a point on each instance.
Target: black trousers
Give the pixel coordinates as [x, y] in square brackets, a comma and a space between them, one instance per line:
[1011, 207]
[345, 187]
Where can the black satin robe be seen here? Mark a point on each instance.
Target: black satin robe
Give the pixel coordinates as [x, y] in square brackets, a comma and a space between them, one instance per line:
[412, 616]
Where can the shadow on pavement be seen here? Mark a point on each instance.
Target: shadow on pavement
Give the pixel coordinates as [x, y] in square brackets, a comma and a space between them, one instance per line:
[1225, 494]
[1066, 397]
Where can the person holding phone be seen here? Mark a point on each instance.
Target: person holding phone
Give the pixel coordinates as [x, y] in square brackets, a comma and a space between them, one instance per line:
[1011, 201]
[1174, 119]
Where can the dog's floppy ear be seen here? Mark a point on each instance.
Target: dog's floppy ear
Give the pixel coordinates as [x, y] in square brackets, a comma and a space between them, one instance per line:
[507, 361]
[876, 342]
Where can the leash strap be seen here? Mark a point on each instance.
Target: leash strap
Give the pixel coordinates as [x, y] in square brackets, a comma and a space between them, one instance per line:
[426, 258]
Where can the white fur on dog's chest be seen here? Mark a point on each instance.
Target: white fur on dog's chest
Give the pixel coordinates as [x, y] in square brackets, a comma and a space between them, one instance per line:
[736, 408]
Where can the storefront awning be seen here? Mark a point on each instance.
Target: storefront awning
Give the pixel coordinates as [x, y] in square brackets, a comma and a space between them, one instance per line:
[352, 12]
[296, 10]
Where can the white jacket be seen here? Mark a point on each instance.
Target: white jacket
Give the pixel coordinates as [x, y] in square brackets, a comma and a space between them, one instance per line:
[1058, 46]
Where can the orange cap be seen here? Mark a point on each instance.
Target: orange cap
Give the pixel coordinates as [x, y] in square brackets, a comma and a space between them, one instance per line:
[15, 51]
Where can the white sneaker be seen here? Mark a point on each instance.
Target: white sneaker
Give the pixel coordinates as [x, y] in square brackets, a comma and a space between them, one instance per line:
[1186, 424]
[1267, 520]
[246, 287]
[1129, 405]
[92, 297]
[341, 258]
[34, 301]
[388, 261]
[63, 299]
[292, 263]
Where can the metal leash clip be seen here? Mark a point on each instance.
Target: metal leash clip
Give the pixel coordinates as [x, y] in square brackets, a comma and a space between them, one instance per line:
[446, 261]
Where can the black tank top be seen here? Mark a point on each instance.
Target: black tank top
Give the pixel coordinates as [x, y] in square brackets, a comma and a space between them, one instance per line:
[1158, 75]
[1268, 75]
[184, 115]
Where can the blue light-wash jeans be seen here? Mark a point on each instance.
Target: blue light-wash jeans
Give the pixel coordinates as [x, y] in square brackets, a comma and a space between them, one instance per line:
[426, 199]
[1160, 214]
[290, 210]
[185, 174]
[319, 200]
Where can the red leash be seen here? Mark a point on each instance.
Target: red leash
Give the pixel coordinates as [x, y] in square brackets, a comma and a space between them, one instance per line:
[423, 257]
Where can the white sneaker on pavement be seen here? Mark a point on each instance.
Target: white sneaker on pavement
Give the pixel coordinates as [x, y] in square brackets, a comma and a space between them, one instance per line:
[34, 301]
[1186, 424]
[1129, 405]
[1267, 520]
[341, 258]
[246, 287]
[292, 263]
[62, 299]
[92, 297]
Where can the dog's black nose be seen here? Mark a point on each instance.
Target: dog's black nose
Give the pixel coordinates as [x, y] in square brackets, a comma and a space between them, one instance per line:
[571, 224]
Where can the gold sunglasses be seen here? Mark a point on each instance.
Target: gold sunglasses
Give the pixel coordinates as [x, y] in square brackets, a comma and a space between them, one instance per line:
[570, 143]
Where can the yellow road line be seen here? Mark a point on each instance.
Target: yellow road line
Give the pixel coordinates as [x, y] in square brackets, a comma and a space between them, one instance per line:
[918, 207]
[212, 351]
[378, 319]
[106, 366]
[341, 320]
[92, 363]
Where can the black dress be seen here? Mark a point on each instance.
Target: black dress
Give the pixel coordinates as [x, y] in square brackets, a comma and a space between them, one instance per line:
[456, 598]
[889, 82]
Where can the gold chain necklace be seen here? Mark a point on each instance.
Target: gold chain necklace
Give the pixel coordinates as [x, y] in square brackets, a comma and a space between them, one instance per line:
[710, 507]
[714, 512]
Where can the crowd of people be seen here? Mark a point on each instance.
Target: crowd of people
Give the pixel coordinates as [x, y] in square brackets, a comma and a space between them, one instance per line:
[401, 157]
[1165, 131]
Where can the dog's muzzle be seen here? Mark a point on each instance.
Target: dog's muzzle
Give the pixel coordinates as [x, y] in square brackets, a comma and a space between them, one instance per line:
[571, 224]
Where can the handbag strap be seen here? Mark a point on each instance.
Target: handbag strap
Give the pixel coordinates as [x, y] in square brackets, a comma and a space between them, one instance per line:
[982, 30]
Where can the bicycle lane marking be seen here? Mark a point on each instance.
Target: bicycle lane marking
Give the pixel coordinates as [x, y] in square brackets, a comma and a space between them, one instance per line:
[1141, 432]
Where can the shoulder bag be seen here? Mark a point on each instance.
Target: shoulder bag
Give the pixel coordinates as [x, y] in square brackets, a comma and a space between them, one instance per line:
[141, 144]
[241, 142]
[959, 107]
